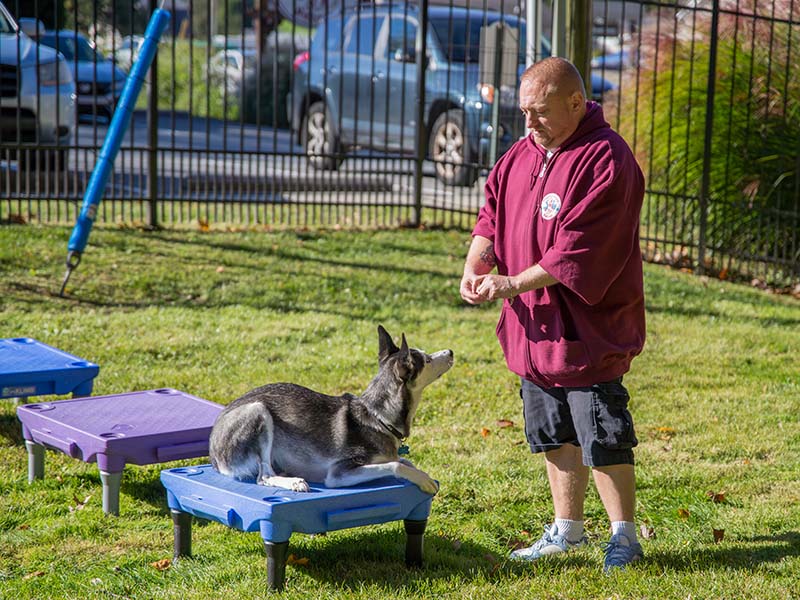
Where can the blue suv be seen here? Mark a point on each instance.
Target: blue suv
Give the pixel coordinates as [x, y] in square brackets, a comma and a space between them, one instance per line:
[356, 88]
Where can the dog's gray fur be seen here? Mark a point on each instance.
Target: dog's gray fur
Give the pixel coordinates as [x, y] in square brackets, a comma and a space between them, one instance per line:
[284, 435]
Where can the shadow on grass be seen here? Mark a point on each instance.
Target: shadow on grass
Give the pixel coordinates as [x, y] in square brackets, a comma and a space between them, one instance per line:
[11, 429]
[744, 553]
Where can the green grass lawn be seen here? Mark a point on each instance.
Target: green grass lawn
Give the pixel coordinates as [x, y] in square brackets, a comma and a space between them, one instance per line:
[715, 396]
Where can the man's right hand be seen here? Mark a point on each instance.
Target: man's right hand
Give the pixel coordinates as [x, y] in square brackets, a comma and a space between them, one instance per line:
[469, 283]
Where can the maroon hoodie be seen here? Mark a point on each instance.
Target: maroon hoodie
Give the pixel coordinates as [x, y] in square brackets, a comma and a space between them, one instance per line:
[577, 216]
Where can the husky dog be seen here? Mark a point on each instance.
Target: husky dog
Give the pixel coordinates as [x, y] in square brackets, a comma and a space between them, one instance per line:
[283, 435]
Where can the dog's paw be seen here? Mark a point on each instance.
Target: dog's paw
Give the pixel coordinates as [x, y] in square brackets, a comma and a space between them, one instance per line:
[429, 486]
[300, 485]
[296, 484]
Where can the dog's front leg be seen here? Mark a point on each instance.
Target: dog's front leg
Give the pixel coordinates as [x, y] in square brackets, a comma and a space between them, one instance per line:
[347, 475]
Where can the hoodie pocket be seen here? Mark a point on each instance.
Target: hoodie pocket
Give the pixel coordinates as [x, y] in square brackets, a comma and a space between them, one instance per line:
[559, 360]
[512, 338]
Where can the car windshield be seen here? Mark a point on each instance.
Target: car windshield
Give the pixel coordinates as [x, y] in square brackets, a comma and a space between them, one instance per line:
[70, 46]
[460, 36]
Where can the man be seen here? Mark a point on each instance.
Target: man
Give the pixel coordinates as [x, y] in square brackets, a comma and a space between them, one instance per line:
[561, 225]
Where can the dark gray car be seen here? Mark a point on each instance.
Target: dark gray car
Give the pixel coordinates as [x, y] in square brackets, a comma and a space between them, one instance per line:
[356, 87]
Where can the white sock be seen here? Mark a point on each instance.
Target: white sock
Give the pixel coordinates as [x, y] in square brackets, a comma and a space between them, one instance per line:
[628, 528]
[571, 530]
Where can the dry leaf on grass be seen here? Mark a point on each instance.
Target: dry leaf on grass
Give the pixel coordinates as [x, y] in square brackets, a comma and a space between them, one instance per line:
[162, 565]
[719, 535]
[34, 574]
[648, 533]
[716, 497]
[683, 513]
[78, 504]
[485, 432]
[502, 423]
[294, 560]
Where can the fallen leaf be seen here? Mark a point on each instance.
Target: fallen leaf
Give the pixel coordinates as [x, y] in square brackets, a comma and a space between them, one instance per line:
[716, 497]
[162, 565]
[719, 535]
[34, 574]
[203, 224]
[220, 269]
[501, 423]
[665, 433]
[485, 432]
[293, 560]
[683, 513]
[517, 544]
[24, 527]
[648, 533]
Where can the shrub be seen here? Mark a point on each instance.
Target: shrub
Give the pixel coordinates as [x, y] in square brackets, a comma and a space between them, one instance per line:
[753, 184]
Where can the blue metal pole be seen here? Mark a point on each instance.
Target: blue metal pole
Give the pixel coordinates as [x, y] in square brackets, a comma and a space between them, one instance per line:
[116, 130]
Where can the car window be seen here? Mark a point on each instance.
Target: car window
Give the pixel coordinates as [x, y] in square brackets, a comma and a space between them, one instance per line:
[69, 46]
[460, 37]
[5, 24]
[402, 37]
[362, 32]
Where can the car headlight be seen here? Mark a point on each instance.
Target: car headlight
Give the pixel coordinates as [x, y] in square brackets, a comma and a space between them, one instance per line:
[54, 73]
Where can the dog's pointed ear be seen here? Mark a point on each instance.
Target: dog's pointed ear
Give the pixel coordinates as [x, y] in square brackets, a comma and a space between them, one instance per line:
[403, 344]
[386, 345]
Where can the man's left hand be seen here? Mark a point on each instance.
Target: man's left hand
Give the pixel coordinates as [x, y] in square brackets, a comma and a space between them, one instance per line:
[492, 287]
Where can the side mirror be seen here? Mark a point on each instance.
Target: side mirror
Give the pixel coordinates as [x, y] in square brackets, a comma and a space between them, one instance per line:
[33, 28]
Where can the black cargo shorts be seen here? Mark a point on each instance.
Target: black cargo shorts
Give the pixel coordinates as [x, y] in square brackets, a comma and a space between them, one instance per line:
[595, 418]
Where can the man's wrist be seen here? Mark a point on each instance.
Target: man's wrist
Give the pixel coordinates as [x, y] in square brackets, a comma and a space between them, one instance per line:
[512, 285]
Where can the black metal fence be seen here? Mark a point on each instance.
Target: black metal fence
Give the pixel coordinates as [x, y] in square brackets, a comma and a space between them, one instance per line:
[264, 113]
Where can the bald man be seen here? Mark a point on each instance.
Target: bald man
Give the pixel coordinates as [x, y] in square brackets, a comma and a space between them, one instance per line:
[557, 241]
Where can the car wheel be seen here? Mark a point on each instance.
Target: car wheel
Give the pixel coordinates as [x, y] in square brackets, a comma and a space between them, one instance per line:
[450, 151]
[319, 142]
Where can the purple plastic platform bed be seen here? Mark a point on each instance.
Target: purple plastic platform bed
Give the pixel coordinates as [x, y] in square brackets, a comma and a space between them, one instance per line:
[276, 513]
[31, 368]
[142, 428]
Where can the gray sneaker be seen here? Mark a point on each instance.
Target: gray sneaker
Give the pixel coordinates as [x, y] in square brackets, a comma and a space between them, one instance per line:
[620, 552]
[551, 542]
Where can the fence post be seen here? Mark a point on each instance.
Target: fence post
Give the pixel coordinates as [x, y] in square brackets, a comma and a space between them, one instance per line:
[152, 142]
[579, 38]
[421, 48]
[709, 129]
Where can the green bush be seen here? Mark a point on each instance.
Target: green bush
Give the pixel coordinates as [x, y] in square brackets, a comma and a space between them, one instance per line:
[754, 152]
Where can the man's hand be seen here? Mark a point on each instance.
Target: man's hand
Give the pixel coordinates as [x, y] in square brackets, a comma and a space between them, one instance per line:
[469, 283]
[492, 287]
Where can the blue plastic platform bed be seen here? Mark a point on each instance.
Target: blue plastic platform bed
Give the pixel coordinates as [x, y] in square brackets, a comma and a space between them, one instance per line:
[276, 513]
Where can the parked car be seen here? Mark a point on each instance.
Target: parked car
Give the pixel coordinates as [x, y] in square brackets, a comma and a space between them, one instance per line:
[99, 82]
[37, 99]
[356, 88]
[125, 54]
[230, 67]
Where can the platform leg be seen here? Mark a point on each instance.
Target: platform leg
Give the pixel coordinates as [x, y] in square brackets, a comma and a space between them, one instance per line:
[276, 563]
[414, 534]
[182, 532]
[111, 485]
[35, 461]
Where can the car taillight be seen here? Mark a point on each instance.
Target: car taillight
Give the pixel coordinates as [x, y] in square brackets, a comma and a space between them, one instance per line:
[300, 59]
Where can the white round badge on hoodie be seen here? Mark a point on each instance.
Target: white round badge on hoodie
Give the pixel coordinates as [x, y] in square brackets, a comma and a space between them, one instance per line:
[551, 204]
